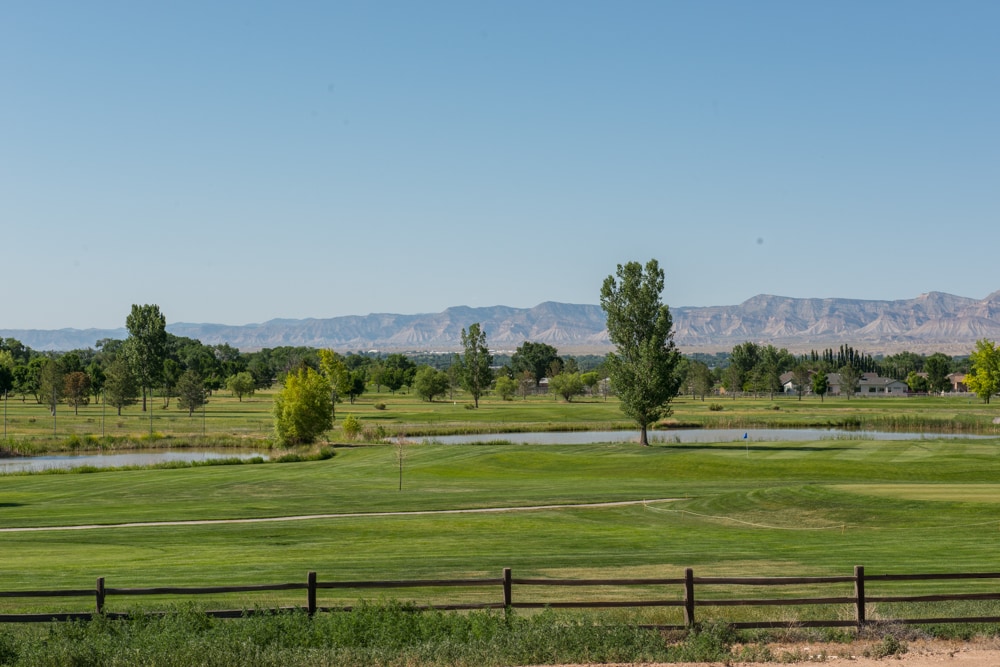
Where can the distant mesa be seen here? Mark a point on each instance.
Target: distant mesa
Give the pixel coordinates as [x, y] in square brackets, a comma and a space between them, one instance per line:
[929, 322]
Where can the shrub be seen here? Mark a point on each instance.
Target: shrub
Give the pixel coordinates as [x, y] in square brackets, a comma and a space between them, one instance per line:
[888, 647]
[303, 409]
[715, 407]
[380, 406]
[351, 427]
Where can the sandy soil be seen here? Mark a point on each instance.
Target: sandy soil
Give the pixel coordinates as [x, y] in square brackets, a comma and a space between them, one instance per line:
[985, 653]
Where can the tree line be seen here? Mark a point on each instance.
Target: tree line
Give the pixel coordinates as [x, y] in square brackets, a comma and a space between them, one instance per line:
[646, 371]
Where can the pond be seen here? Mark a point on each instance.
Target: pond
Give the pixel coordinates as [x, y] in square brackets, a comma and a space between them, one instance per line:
[70, 461]
[691, 435]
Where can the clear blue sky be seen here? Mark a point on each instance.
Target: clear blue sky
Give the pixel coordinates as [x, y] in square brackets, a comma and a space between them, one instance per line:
[235, 162]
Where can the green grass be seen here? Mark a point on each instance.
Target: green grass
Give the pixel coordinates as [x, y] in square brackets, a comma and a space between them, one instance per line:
[228, 422]
[813, 508]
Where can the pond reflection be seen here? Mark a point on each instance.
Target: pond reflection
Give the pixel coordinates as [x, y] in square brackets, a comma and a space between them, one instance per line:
[680, 436]
[70, 461]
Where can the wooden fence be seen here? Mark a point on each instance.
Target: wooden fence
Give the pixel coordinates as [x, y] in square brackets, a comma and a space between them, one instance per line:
[684, 597]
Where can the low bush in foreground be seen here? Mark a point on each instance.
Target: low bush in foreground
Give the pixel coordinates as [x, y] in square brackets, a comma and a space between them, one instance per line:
[394, 634]
[383, 634]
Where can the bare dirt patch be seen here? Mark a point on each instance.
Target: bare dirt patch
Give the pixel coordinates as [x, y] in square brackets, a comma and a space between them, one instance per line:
[920, 653]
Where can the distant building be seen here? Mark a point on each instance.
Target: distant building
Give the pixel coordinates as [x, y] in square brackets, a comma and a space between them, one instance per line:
[870, 384]
[957, 381]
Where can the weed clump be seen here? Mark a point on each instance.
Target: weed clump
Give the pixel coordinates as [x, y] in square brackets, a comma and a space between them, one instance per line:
[888, 647]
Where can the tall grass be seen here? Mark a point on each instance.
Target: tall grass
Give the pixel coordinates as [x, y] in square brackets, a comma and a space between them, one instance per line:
[373, 634]
[394, 634]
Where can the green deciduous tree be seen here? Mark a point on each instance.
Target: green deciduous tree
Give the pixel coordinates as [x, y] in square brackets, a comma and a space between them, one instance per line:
[95, 372]
[732, 380]
[643, 369]
[191, 391]
[506, 387]
[303, 408]
[525, 383]
[590, 380]
[900, 365]
[800, 376]
[476, 373]
[536, 358]
[699, 379]
[242, 384]
[773, 362]
[430, 382]
[19, 352]
[395, 371]
[32, 381]
[169, 376]
[51, 383]
[849, 377]
[343, 380]
[76, 390]
[120, 386]
[145, 347]
[6, 372]
[745, 357]
[820, 384]
[916, 382]
[937, 366]
[566, 385]
[983, 377]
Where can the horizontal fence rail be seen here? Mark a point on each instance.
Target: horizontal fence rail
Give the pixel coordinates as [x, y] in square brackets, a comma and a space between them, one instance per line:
[683, 589]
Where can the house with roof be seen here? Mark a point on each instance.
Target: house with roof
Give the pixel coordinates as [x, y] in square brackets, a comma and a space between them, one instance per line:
[869, 384]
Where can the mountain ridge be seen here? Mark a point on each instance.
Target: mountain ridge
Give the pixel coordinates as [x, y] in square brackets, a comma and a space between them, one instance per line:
[934, 320]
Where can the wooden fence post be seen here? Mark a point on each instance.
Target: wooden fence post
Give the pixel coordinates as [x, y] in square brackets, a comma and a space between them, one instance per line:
[859, 594]
[99, 594]
[311, 594]
[689, 598]
[507, 589]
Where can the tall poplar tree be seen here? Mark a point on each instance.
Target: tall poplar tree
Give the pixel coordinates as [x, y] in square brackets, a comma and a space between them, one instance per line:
[643, 371]
[475, 370]
[146, 345]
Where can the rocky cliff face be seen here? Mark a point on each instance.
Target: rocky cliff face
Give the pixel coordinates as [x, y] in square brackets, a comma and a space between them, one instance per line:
[929, 321]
